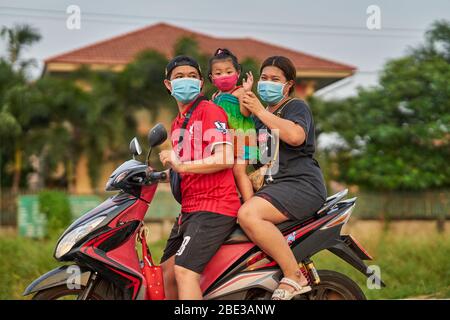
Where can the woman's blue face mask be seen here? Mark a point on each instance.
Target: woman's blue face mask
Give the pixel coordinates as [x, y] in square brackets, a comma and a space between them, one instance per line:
[271, 92]
[185, 90]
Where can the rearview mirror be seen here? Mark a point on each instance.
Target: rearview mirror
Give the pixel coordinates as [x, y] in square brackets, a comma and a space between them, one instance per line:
[157, 135]
[135, 147]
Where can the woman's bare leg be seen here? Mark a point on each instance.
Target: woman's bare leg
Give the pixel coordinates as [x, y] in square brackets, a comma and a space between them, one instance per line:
[258, 217]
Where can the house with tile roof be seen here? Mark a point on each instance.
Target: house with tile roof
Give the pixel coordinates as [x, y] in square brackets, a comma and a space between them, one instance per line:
[313, 72]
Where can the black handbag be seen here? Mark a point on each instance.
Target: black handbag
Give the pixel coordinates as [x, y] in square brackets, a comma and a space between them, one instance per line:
[175, 177]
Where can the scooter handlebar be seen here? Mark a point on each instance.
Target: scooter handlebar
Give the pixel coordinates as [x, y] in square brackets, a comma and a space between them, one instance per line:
[156, 176]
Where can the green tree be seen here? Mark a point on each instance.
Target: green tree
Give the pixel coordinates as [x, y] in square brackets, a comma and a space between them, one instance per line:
[141, 82]
[104, 129]
[45, 111]
[9, 128]
[19, 38]
[397, 134]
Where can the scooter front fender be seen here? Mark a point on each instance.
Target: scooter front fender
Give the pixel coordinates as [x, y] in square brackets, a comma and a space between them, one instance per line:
[59, 276]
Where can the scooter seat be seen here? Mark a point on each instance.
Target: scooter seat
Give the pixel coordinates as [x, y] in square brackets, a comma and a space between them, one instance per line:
[239, 236]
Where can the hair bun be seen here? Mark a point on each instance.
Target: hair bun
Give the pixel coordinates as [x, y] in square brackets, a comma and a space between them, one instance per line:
[223, 51]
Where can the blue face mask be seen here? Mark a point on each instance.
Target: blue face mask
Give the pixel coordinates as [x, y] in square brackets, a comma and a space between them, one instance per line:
[271, 92]
[185, 90]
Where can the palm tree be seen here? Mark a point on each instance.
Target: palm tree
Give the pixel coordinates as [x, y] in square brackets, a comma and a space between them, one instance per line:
[19, 38]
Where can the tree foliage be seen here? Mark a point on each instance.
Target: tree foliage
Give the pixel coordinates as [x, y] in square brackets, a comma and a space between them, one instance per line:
[397, 134]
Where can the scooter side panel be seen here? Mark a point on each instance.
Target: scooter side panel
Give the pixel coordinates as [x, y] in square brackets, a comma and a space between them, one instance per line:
[225, 257]
[119, 258]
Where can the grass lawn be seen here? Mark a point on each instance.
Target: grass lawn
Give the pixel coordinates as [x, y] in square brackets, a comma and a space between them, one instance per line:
[410, 266]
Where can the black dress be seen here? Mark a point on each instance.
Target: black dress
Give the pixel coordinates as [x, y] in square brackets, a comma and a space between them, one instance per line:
[298, 189]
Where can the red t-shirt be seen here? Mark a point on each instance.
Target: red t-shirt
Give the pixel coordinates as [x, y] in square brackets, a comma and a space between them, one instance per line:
[214, 192]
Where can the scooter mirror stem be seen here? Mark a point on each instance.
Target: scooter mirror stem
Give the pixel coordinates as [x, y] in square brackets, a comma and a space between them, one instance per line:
[148, 155]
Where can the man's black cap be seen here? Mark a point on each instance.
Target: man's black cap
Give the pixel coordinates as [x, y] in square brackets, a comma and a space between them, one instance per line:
[181, 61]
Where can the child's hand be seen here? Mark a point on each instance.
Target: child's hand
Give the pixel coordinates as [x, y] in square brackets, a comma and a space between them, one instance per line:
[247, 84]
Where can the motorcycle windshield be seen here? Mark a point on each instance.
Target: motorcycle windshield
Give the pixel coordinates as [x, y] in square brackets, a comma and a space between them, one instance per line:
[127, 165]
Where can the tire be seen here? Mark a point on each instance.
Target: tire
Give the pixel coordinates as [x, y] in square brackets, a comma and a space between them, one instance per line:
[334, 286]
[103, 291]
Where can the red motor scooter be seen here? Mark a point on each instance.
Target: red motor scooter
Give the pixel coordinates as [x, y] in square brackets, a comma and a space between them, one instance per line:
[102, 246]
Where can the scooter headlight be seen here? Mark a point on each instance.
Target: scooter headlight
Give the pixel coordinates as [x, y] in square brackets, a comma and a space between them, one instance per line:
[70, 239]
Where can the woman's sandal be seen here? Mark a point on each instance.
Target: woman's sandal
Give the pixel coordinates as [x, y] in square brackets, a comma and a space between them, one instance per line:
[283, 294]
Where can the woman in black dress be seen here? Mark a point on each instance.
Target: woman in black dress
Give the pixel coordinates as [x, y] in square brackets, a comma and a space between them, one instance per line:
[298, 188]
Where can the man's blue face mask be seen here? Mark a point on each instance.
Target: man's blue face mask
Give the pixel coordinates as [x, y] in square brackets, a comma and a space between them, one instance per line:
[185, 90]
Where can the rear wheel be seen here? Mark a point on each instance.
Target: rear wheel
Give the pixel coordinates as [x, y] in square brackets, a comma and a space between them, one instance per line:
[102, 291]
[334, 286]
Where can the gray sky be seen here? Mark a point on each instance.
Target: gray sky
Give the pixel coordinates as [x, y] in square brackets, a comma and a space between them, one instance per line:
[334, 29]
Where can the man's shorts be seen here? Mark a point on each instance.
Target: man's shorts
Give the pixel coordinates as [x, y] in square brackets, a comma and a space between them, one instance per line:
[197, 238]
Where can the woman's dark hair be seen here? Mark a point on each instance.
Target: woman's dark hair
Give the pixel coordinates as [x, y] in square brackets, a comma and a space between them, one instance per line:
[221, 55]
[285, 65]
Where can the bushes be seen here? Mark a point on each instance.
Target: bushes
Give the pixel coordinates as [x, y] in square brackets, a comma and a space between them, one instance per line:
[23, 261]
[56, 207]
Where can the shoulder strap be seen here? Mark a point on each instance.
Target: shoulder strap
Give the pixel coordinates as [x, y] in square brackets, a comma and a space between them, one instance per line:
[275, 156]
[280, 109]
[278, 114]
[186, 120]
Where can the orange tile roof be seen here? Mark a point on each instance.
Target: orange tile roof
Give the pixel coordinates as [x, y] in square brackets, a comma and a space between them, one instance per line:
[162, 38]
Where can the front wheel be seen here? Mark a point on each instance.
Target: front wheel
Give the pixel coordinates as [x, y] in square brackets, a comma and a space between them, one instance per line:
[102, 291]
[334, 286]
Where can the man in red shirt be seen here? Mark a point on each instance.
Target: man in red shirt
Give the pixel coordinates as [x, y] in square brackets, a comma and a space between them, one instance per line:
[204, 160]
